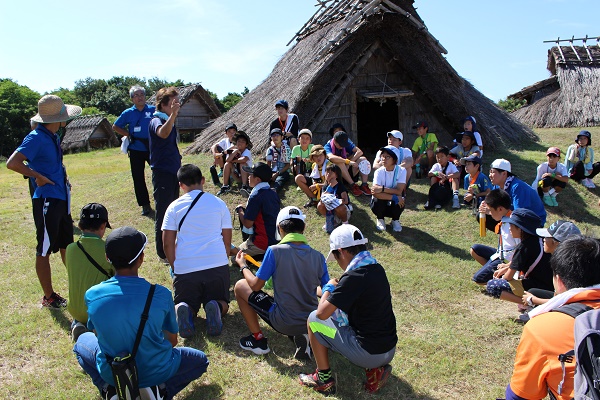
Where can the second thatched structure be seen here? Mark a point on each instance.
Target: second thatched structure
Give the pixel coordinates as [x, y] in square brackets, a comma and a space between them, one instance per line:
[87, 133]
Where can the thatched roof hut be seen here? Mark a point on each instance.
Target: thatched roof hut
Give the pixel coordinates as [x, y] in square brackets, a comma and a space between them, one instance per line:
[198, 109]
[89, 132]
[372, 66]
[571, 96]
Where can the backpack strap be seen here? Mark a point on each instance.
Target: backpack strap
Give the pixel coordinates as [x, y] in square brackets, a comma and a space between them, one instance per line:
[143, 320]
[91, 260]
[573, 309]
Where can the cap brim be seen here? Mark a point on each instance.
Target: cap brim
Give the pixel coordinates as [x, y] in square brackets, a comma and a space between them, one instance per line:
[72, 112]
[108, 224]
[543, 232]
[330, 257]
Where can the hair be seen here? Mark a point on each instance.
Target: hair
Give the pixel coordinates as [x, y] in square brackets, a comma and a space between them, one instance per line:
[90, 224]
[498, 198]
[136, 88]
[335, 169]
[475, 163]
[189, 174]
[122, 264]
[442, 149]
[163, 96]
[525, 235]
[390, 153]
[500, 170]
[292, 225]
[335, 126]
[577, 262]
[354, 250]
[242, 135]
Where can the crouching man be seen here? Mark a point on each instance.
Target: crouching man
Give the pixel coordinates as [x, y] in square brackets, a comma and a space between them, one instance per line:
[354, 317]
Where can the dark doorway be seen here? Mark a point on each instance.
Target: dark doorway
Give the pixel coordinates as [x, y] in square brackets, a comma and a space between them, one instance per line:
[373, 120]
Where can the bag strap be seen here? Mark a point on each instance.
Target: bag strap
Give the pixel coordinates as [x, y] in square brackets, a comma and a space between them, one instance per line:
[573, 309]
[143, 320]
[188, 210]
[537, 260]
[90, 259]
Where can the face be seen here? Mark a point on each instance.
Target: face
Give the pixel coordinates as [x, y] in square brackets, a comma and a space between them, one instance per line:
[552, 160]
[582, 140]
[388, 161]
[276, 139]
[496, 177]
[241, 144]
[330, 176]
[550, 244]
[392, 141]
[441, 158]
[166, 108]
[304, 140]
[471, 168]
[230, 132]
[468, 126]
[421, 131]
[466, 141]
[497, 213]
[139, 98]
[252, 180]
[337, 146]
[281, 111]
[320, 159]
[515, 231]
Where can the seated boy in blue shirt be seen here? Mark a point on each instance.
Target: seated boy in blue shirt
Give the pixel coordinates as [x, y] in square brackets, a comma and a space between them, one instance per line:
[476, 184]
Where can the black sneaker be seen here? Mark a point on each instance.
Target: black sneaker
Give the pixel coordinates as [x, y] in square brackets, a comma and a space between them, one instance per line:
[256, 346]
[224, 189]
[146, 210]
[302, 347]
[55, 301]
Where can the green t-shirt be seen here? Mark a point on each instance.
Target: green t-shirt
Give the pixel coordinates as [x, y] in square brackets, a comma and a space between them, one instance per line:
[298, 152]
[82, 274]
[419, 147]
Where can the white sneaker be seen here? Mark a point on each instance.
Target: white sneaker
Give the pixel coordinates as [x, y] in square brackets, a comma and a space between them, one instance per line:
[381, 225]
[397, 226]
[438, 207]
[455, 203]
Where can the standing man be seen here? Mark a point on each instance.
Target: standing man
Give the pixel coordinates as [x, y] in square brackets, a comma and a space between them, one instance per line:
[196, 238]
[354, 317]
[133, 123]
[51, 198]
[165, 159]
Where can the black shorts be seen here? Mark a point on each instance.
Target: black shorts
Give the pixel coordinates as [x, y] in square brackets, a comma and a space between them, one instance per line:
[262, 303]
[198, 288]
[53, 225]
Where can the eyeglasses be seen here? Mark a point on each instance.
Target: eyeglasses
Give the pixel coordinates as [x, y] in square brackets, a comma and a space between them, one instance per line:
[139, 94]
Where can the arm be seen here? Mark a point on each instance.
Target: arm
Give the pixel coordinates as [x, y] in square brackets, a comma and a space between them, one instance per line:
[357, 153]
[120, 130]
[407, 163]
[164, 130]
[171, 337]
[15, 163]
[325, 308]
[169, 238]
[246, 222]
[226, 233]
[254, 282]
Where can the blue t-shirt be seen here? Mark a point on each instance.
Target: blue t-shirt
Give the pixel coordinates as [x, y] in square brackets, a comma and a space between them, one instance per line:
[137, 123]
[262, 208]
[524, 196]
[482, 181]
[114, 310]
[338, 152]
[44, 155]
[164, 153]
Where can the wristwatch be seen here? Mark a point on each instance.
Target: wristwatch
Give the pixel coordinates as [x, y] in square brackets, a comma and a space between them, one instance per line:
[529, 302]
[243, 268]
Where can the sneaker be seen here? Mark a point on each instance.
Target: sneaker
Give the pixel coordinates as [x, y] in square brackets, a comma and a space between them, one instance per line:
[376, 378]
[397, 226]
[554, 202]
[437, 207]
[302, 347]
[380, 225]
[77, 330]
[312, 381]
[455, 203]
[146, 210]
[154, 392]
[110, 393]
[355, 190]
[55, 301]
[245, 191]
[224, 189]
[324, 227]
[214, 324]
[256, 346]
[185, 320]
[426, 206]
[365, 189]
[310, 203]
[548, 201]
[587, 182]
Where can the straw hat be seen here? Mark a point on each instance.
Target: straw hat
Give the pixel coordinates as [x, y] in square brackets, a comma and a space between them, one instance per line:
[52, 109]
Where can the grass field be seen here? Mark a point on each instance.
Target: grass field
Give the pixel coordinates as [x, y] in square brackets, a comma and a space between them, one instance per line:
[454, 342]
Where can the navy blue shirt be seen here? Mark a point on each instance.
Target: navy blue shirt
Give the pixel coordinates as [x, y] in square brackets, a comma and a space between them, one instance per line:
[262, 208]
[44, 155]
[164, 153]
[137, 123]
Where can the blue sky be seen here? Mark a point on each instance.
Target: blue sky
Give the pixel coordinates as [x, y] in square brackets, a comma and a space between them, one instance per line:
[228, 44]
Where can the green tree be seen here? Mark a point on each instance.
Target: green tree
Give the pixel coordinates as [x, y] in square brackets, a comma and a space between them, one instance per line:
[510, 105]
[155, 83]
[17, 105]
[67, 95]
[231, 100]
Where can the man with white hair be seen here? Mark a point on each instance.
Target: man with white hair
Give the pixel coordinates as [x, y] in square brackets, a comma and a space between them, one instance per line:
[133, 123]
[296, 270]
[51, 197]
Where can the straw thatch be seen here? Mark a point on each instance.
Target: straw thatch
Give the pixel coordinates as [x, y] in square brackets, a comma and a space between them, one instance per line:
[197, 111]
[351, 52]
[89, 132]
[570, 97]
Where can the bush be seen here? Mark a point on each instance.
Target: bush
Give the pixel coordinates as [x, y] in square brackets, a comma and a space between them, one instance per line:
[510, 105]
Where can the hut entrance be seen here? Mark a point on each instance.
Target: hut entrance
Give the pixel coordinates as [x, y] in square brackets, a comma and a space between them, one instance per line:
[373, 120]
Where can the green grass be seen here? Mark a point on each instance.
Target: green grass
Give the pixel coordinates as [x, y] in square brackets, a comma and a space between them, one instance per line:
[454, 342]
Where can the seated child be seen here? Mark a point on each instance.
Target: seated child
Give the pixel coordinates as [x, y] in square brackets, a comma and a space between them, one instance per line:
[335, 203]
[529, 260]
[300, 158]
[551, 177]
[476, 184]
[580, 160]
[218, 151]
[465, 148]
[444, 181]
[311, 185]
[394, 138]
[86, 263]
[470, 125]
[423, 148]
[238, 155]
[388, 185]
[278, 158]
[498, 202]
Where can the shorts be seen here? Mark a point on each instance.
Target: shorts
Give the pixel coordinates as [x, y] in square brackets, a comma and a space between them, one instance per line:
[53, 225]
[263, 304]
[344, 342]
[199, 287]
[248, 247]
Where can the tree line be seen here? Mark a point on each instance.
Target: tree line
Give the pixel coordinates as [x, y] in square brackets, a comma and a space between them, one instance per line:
[18, 103]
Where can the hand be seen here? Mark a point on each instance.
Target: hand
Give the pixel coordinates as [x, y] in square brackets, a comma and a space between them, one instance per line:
[239, 259]
[401, 202]
[175, 106]
[483, 208]
[274, 176]
[468, 196]
[333, 281]
[42, 180]
[525, 296]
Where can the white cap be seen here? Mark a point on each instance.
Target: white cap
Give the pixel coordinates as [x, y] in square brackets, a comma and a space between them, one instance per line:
[501, 163]
[289, 212]
[397, 134]
[344, 236]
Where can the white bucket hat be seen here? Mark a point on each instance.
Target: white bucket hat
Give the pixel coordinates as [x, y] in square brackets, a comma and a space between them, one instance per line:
[344, 236]
[52, 109]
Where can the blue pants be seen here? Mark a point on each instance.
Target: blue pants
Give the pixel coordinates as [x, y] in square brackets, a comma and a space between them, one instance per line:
[486, 272]
[193, 364]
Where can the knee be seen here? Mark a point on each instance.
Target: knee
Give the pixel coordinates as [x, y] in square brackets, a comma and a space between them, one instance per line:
[241, 290]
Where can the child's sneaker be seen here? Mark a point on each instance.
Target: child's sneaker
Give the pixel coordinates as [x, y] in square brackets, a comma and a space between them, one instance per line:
[380, 225]
[224, 189]
[426, 206]
[548, 201]
[302, 347]
[438, 207]
[185, 320]
[365, 189]
[554, 202]
[55, 301]
[256, 346]
[455, 203]
[77, 330]
[376, 378]
[355, 190]
[396, 226]
[214, 324]
[312, 380]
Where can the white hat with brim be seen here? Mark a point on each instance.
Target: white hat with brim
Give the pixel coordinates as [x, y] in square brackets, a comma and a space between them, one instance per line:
[289, 212]
[344, 236]
[52, 109]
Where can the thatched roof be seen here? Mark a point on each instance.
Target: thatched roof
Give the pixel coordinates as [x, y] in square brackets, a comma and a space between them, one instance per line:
[331, 51]
[573, 98]
[89, 132]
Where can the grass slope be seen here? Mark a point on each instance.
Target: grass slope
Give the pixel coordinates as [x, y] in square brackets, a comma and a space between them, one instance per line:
[454, 342]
